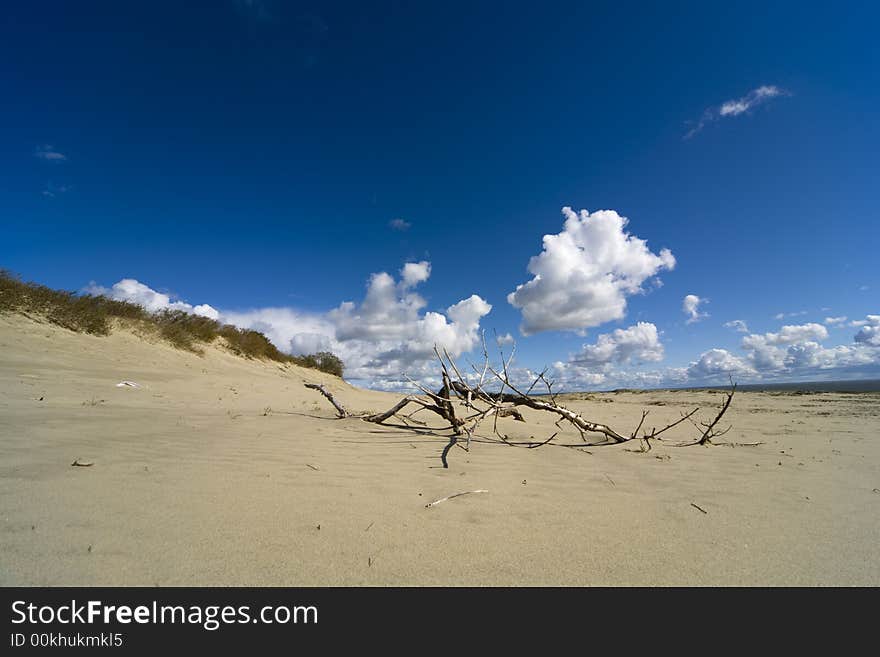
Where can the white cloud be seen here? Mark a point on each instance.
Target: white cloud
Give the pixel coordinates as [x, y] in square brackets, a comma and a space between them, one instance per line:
[129, 289]
[715, 362]
[49, 153]
[750, 100]
[869, 334]
[690, 306]
[737, 325]
[737, 106]
[836, 322]
[797, 350]
[781, 316]
[399, 224]
[414, 273]
[385, 336]
[797, 333]
[768, 351]
[502, 340]
[639, 342]
[794, 352]
[290, 330]
[585, 273]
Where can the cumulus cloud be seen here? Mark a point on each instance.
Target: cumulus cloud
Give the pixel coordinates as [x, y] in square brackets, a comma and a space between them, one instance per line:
[737, 325]
[399, 224]
[836, 322]
[414, 273]
[715, 362]
[737, 106]
[49, 153]
[796, 333]
[869, 333]
[797, 350]
[793, 352]
[690, 306]
[387, 334]
[585, 273]
[768, 351]
[636, 343]
[290, 330]
[502, 340]
[129, 289]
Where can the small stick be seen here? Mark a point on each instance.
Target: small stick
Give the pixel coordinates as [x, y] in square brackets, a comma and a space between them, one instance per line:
[449, 497]
[699, 508]
[313, 467]
[82, 464]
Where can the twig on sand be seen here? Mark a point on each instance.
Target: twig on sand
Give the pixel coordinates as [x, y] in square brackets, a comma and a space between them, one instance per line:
[699, 508]
[313, 467]
[449, 497]
[340, 409]
[82, 464]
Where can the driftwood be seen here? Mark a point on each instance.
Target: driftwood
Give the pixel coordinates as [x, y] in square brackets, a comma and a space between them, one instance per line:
[340, 409]
[490, 394]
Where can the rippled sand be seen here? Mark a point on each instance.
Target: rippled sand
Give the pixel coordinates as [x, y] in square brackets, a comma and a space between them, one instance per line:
[221, 471]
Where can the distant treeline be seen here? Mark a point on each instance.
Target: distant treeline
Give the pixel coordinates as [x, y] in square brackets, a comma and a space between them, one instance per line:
[86, 313]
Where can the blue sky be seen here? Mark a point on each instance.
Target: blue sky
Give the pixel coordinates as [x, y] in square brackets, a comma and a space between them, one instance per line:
[253, 156]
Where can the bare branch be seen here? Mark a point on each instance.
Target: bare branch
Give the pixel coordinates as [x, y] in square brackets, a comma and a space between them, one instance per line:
[482, 405]
[340, 409]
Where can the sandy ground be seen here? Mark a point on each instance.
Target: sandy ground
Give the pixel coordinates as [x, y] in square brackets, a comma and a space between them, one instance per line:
[222, 471]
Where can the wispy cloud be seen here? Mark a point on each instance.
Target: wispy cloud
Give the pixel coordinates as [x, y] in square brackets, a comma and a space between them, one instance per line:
[49, 153]
[51, 191]
[799, 313]
[737, 106]
[737, 325]
[399, 224]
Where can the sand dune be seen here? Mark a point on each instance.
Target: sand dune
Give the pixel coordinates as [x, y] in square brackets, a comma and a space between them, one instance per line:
[223, 471]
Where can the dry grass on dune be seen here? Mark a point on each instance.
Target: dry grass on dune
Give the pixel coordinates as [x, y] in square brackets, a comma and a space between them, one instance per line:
[94, 314]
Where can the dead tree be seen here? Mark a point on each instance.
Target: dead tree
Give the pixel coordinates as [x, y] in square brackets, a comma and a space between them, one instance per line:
[490, 394]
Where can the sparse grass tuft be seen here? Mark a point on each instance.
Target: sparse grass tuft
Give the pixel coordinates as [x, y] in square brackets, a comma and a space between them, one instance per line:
[86, 313]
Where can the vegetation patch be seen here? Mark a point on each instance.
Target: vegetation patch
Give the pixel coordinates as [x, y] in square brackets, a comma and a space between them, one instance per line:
[94, 314]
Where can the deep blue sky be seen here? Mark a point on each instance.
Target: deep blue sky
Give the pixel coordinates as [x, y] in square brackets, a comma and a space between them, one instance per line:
[251, 154]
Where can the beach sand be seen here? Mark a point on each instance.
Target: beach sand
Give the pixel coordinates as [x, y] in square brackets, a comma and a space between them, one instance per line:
[224, 471]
